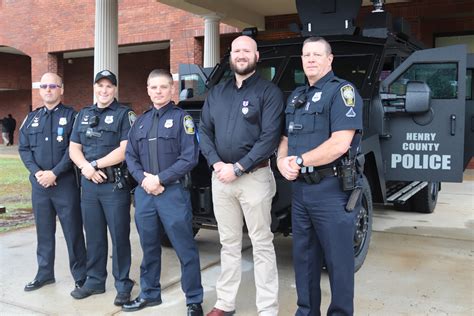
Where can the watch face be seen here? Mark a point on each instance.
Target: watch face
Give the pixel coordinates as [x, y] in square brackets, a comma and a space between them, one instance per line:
[299, 161]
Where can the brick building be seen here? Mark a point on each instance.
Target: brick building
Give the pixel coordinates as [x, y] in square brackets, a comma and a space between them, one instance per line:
[58, 36]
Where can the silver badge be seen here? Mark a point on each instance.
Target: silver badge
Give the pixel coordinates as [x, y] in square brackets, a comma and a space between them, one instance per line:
[59, 138]
[316, 97]
[245, 111]
[62, 121]
[35, 124]
[245, 103]
[109, 119]
[169, 123]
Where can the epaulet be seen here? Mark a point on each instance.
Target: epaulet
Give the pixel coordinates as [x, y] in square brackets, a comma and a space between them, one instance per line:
[38, 109]
[337, 79]
[69, 107]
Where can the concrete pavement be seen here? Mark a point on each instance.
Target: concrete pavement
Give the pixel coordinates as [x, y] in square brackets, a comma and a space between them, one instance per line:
[417, 264]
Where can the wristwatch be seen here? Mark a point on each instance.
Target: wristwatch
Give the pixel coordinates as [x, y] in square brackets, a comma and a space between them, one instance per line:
[299, 161]
[237, 171]
[94, 164]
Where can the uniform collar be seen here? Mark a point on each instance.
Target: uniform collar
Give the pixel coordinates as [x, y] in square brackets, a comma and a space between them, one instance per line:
[112, 106]
[163, 109]
[46, 110]
[320, 83]
[247, 81]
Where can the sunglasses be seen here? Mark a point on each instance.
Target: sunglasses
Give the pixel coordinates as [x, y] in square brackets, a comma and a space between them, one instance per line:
[51, 86]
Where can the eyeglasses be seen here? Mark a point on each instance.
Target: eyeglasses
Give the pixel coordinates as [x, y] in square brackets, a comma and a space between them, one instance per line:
[51, 86]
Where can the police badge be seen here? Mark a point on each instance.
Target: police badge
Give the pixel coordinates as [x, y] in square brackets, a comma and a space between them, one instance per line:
[109, 119]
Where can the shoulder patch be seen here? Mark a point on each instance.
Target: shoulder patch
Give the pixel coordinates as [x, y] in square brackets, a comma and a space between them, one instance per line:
[348, 95]
[132, 117]
[189, 125]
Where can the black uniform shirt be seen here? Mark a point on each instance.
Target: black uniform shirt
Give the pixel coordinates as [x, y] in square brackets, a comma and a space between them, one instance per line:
[241, 124]
[100, 130]
[177, 150]
[44, 139]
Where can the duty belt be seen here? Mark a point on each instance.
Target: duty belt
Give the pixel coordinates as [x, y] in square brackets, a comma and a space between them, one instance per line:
[311, 175]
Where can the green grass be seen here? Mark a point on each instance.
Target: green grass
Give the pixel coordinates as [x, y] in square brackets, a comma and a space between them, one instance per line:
[15, 194]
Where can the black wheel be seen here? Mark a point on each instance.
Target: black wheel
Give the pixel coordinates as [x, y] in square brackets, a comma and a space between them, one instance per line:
[165, 241]
[363, 229]
[425, 200]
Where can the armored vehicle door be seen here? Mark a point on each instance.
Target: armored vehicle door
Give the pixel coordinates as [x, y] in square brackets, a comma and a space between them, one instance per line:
[469, 133]
[424, 101]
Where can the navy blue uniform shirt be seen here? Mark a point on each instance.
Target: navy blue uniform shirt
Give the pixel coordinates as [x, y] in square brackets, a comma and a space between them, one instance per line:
[332, 104]
[100, 130]
[44, 139]
[241, 124]
[177, 149]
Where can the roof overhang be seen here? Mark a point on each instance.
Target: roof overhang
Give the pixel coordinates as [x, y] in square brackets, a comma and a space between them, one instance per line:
[243, 13]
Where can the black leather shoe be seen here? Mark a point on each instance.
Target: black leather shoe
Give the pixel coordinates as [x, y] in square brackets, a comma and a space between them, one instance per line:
[36, 285]
[79, 283]
[139, 303]
[121, 298]
[82, 292]
[195, 310]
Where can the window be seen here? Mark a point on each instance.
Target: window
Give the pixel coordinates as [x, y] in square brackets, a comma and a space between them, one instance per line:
[193, 84]
[267, 68]
[293, 76]
[441, 78]
[469, 86]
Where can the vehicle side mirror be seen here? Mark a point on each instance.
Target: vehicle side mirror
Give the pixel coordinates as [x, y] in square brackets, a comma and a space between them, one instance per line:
[186, 94]
[418, 97]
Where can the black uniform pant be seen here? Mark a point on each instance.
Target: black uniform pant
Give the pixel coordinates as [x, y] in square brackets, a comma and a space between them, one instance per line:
[323, 232]
[173, 209]
[61, 200]
[103, 207]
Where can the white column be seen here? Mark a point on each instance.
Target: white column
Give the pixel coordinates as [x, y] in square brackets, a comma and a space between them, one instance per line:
[211, 40]
[106, 36]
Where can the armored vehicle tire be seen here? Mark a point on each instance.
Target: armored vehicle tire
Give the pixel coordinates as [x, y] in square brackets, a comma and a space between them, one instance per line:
[165, 241]
[363, 229]
[425, 200]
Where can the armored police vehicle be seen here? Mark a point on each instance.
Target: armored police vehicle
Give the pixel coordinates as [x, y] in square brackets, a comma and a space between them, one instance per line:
[417, 128]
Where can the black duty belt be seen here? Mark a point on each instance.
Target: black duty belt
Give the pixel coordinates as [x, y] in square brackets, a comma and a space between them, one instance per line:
[312, 175]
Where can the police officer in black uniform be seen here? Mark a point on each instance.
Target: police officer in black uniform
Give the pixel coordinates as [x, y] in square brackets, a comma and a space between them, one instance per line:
[97, 148]
[323, 124]
[161, 150]
[44, 140]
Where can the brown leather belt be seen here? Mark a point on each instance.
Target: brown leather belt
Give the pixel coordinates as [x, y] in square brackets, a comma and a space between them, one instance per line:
[263, 164]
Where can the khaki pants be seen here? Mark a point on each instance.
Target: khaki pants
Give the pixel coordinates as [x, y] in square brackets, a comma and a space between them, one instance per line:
[249, 197]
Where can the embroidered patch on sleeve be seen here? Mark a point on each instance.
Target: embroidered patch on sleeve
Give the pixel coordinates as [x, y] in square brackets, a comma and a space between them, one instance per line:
[189, 125]
[132, 117]
[348, 95]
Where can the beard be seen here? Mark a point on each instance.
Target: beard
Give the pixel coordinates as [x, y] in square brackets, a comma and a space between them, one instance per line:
[251, 66]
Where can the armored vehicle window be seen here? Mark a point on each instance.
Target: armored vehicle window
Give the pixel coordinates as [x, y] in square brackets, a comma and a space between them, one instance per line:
[293, 76]
[469, 86]
[193, 85]
[441, 78]
[352, 68]
[268, 68]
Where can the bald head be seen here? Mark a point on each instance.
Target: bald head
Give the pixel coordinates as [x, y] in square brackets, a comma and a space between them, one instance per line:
[50, 77]
[246, 41]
